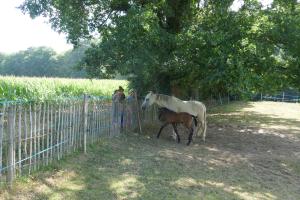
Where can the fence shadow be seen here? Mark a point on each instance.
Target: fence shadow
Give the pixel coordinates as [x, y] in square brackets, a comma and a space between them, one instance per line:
[232, 164]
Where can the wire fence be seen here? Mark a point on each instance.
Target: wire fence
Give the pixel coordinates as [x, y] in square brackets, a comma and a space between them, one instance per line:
[292, 97]
[33, 135]
[283, 97]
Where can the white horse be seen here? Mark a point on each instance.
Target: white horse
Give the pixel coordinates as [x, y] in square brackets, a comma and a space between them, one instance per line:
[194, 108]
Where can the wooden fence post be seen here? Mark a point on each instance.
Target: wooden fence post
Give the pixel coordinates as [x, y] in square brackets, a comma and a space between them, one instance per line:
[85, 117]
[25, 132]
[19, 137]
[1, 136]
[58, 131]
[38, 135]
[34, 135]
[220, 98]
[11, 150]
[138, 113]
[48, 132]
[30, 139]
[228, 98]
[43, 133]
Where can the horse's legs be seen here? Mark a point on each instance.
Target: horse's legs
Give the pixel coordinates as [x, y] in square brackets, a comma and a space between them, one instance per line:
[190, 136]
[175, 129]
[204, 130]
[174, 136]
[201, 126]
[204, 126]
[162, 127]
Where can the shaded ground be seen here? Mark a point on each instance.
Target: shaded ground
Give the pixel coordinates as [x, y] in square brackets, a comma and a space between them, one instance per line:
[252, 152]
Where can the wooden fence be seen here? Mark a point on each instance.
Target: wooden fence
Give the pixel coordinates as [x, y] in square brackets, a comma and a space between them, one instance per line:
[33, 135]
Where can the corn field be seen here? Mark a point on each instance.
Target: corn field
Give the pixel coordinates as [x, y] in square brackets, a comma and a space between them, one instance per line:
[42, 89]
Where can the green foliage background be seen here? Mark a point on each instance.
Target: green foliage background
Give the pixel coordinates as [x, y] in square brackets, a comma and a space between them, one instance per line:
[185, 44]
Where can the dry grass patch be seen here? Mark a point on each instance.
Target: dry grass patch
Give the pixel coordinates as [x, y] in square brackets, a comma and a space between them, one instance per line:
[238, 161]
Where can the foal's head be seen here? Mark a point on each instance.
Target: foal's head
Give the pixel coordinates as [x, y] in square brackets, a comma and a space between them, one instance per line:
[164, 113]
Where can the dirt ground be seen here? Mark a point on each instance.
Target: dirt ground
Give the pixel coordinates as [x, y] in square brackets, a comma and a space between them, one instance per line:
[252, 151]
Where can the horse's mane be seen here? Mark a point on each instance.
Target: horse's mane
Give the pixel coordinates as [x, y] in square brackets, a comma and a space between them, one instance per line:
[162, 97]
[166, 98]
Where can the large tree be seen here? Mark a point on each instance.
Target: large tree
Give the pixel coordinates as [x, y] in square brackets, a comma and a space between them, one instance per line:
[187, 44]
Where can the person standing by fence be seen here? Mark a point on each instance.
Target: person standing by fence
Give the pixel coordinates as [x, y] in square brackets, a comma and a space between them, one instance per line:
[118, 107]
[115, 99]
[130, 108]
[121, 105]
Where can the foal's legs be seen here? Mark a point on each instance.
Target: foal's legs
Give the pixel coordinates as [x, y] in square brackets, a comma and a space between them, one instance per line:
[190, 136]
[162, 127]
[175, 129]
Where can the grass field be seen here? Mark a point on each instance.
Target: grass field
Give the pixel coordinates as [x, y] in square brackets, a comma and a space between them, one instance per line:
[39, 89]
[252, 152]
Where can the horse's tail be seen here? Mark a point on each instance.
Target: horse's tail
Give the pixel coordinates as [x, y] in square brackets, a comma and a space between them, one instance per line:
[198, 133]
[202, 117]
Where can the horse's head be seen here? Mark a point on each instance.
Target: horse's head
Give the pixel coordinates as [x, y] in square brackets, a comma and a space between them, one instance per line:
[149, 100]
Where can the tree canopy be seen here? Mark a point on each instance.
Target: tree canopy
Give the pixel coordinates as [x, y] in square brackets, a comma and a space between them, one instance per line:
[192, 45]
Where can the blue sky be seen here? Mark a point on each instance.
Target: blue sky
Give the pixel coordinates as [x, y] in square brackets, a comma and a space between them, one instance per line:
[18, 31]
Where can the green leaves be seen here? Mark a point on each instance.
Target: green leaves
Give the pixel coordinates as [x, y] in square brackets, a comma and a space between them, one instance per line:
[161, 44]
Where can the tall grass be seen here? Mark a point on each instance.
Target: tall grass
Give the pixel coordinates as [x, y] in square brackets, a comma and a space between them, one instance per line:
[40, 89]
